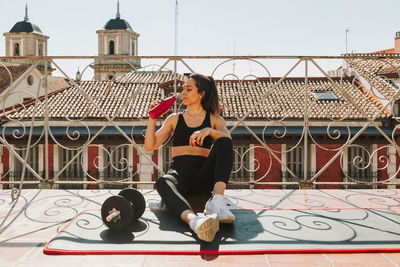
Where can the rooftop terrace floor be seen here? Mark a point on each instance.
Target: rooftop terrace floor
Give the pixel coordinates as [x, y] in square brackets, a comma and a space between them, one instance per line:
[39, 214]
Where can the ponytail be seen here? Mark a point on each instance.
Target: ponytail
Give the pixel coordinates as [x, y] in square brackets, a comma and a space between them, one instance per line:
[206, 84]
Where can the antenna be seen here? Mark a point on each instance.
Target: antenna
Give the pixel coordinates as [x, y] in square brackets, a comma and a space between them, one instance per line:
[176, 29]
[347, 30]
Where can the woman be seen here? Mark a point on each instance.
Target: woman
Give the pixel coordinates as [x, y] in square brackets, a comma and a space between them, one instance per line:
[195, 168]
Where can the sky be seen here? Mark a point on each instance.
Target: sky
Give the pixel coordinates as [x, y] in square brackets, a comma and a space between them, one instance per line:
[215, 28]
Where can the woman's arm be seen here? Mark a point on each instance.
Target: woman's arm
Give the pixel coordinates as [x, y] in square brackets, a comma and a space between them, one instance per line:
[154, 139]
[218, 130]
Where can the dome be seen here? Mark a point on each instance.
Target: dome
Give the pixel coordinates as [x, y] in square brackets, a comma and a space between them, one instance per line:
[25, 26]
[117, 24]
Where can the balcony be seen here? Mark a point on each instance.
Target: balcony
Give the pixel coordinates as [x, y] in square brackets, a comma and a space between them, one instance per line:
[89, 135]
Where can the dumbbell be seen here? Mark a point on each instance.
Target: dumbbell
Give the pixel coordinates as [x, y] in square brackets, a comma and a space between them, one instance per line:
[118, 212]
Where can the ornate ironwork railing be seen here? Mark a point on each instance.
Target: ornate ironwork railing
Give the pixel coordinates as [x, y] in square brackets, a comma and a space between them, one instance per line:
[295, 117]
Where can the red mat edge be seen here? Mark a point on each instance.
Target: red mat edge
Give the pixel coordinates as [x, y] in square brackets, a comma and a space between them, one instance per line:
[217, 252]
[50, 251]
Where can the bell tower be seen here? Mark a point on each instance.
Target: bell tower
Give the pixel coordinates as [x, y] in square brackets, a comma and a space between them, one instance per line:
[116, 38]
[25, 39]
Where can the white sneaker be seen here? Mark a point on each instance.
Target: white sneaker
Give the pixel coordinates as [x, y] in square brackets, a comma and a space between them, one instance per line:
[205, 226]
[217, 204]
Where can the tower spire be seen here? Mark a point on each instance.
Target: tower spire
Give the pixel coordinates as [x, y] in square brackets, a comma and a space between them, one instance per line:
[26, 12]
[118, 15]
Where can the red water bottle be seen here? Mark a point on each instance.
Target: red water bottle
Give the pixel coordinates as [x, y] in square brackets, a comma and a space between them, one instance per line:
[161, 108]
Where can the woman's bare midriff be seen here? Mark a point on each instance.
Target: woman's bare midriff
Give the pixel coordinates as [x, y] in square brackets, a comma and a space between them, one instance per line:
[190, 150]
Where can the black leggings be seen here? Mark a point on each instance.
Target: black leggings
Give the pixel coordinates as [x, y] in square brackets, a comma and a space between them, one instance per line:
[195, 175]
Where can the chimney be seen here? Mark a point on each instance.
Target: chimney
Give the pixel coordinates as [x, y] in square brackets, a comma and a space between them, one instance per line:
[397, 43]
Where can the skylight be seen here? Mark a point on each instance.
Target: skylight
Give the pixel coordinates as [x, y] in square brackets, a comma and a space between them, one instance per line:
[325, 95]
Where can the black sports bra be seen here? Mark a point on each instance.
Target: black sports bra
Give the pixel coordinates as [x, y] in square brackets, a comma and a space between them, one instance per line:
[183, 132]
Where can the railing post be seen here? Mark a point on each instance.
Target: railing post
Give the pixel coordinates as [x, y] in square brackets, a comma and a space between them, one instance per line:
[46, 181]
[305, 156]
[175, 84]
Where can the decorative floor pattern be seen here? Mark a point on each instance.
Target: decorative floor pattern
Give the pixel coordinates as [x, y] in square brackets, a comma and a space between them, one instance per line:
[26, 226]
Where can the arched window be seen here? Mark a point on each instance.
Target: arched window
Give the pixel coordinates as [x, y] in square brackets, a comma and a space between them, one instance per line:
[40, 50]
[111, 48]
[16, 49]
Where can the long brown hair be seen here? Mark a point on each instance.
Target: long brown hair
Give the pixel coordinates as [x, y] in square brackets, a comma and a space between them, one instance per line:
[206, 84]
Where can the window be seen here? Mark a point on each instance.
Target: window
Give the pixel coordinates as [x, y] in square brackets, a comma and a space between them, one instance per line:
[241, 167]
[16, 49]
[32, 161]
[111, 48]
[325, 95]
[116, 165]
[358, 159]
[30, 80]
[40, 50]
[295, 163]
[74, 171]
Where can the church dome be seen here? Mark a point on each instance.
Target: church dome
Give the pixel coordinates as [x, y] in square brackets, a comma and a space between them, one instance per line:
[25, 26]
[117, 24]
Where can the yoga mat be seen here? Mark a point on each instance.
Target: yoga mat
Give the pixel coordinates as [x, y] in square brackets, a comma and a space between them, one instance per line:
[254, 232]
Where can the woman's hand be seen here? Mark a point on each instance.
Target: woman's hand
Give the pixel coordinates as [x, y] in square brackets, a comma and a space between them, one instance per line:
[155, 103]
[152, 105]
[197, 138]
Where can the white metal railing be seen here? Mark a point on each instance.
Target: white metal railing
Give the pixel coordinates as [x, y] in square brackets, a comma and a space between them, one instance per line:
[383, 158]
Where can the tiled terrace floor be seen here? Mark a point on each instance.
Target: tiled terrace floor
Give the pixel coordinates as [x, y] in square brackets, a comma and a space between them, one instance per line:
[39, 214]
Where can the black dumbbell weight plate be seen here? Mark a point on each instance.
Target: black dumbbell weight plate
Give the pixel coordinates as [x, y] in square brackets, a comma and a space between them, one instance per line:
[123, 206]
[137, 200]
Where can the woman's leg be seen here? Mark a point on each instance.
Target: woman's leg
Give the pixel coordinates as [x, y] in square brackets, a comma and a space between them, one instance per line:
[215, 172]
[204, 226]
[167, 188]
[216, 169]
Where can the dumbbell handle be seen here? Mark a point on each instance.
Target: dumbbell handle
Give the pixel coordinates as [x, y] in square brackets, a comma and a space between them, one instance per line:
[113, 213]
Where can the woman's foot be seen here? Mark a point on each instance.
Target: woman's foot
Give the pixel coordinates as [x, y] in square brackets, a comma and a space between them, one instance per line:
[205, 226]
[217, 204]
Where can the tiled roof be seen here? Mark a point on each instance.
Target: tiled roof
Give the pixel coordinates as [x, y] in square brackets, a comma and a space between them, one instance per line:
[15, 70]
[109, 96]
[373, 70]
[287, 100]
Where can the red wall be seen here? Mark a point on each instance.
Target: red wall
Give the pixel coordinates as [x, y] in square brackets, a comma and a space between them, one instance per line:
[333, 173]
[6, 164]
[93, 161]
[397, 161]
[51, 160]
[382, 163]
[264, 161]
